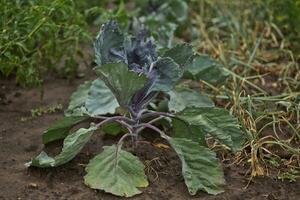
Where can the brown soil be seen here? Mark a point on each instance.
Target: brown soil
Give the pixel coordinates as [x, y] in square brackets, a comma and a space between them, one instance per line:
[21, 141]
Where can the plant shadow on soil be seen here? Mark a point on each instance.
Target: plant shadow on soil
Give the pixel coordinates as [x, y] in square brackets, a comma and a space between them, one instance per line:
[21, 141]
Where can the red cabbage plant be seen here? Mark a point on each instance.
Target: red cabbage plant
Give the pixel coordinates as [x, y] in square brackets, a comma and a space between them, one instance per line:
[132, 74]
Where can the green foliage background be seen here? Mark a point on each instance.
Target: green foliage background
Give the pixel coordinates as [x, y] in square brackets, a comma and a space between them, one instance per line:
[38, 36]
[287, 14]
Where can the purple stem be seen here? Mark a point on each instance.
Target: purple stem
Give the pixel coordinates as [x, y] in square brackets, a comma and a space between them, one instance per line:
[114, 119]
[120, 142]
[126, 125]
[150, 122]
[157, 114]
[145, 125]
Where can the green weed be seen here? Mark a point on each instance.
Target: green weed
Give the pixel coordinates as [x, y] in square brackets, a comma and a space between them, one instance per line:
[36, 35]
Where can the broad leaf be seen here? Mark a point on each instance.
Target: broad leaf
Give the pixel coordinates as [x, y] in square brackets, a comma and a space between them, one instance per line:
[122, 82]
[204, 68]
[119, 173]
[167, 74]
[100, 99]
[178, 10]
[73, 144]
[109, 44]
[78, 98]
[200, 167]
[164, 34]
[181, 98]
[181, 54]
[113, 128]
[78, 112]
[61, 129]
[174, 10]
[217, 122]
[182, 129]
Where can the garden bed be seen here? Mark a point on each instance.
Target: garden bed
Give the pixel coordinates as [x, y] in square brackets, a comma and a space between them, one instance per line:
[20, 140]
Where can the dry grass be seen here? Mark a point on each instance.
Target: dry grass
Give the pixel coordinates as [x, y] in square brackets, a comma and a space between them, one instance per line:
[264, 84]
